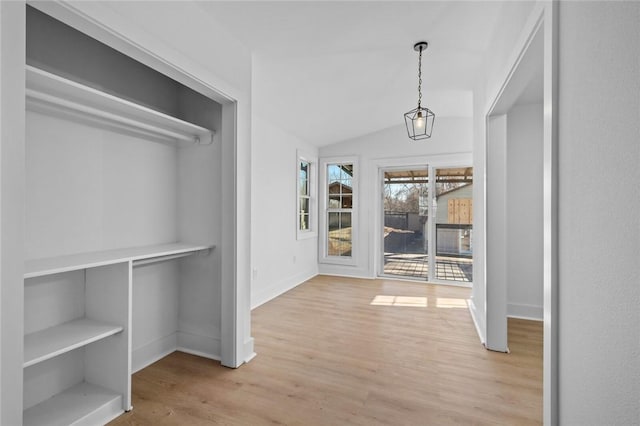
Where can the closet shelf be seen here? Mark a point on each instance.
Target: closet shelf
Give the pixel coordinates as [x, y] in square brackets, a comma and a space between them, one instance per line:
[54, 95]
[51, 342]
[54, 265]
[83, 403]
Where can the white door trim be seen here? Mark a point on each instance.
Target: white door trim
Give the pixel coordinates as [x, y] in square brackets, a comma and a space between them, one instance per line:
[544, 18]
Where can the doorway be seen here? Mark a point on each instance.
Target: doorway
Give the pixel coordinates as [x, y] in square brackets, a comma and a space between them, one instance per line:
[515, 204]
[423, 216]
[453, 224]
[405, 229]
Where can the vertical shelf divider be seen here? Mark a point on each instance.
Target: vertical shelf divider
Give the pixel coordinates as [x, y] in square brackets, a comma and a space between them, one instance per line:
[108, 298]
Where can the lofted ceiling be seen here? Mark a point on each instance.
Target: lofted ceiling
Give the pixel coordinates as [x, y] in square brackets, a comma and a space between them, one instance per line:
[330, 71]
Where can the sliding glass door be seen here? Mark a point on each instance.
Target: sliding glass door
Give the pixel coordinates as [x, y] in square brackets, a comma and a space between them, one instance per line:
[405, 223]
[453, 224]
[427, 225]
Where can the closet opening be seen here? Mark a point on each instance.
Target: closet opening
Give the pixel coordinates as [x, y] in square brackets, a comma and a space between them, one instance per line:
[125, 228]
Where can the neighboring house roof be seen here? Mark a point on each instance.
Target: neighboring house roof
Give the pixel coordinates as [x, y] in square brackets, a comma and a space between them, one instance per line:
[335, 186]
[454, 190]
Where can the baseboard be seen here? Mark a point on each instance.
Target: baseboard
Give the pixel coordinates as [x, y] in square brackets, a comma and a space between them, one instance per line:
[103, 415]
[274, 290]
[249, 354]
[151, 352]
[477, 321]
[344, 271]
[204, 346]
[528, 312]
[194, 344]
[354, 275]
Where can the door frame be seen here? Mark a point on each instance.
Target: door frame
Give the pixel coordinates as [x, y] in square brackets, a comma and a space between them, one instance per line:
[543, 18]
[381, 165]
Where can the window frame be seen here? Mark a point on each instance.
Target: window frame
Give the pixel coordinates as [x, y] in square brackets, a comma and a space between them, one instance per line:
[312, 184]
[325, 209]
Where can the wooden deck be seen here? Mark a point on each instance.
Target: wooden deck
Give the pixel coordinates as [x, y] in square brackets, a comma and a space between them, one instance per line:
[338, 351]
[417, 266]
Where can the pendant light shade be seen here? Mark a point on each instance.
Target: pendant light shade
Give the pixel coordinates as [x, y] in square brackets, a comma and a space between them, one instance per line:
[419, 121]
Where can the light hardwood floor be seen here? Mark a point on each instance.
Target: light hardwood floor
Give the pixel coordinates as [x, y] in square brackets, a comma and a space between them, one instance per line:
[340, 351]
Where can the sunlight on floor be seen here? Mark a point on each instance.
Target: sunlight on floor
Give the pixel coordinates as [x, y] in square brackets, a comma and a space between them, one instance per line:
[442, 302]
[417, 301]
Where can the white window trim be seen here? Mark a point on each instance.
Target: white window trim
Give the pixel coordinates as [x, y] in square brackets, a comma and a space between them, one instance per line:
[323, 210]
[312, 232]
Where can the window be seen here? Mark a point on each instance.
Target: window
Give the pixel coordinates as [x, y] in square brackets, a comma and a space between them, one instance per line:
[338, 220]
[304, 197]
[306, 183]
[339, 211]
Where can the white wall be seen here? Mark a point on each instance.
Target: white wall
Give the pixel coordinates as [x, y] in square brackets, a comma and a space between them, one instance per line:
[391, 146]
[279, 260]
[12, 121]
[599, 241]
[78, 181]
[524, 211]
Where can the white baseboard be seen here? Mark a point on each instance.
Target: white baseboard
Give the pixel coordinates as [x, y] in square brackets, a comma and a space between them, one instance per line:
[274, 290]
[194, 344]
[529, 312]
[203, 346]
[153, 351]
[343, 271]
[477, 321]
[249, 354]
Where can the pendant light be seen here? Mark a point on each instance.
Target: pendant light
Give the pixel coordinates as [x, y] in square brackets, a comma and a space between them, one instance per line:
[419, 121]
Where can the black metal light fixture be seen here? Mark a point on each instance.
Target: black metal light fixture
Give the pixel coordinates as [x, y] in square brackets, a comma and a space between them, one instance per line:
[419, 121]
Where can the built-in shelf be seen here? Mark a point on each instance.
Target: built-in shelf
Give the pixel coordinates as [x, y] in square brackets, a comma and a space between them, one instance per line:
[81, 404]
[53, 341]
[53, 265]
[55, 95]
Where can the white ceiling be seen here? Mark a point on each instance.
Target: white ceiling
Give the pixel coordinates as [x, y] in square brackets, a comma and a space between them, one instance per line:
[329, 71]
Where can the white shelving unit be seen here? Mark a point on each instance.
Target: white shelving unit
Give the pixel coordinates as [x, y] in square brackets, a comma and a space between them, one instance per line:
[77, 353]
[51, 94]
[156, 253]
[82, 404]
[102, 333]
[79, 307]
[53, 341]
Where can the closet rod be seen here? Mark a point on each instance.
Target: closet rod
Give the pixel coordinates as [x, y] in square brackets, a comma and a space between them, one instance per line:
[58, 96]
[141, 262]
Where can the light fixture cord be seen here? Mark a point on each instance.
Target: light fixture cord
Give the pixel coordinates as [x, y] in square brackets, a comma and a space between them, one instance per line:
[420, 77]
